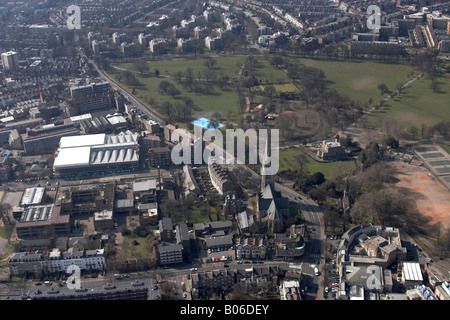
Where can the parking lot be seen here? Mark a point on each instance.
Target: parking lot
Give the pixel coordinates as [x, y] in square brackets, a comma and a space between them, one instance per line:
[219, 255]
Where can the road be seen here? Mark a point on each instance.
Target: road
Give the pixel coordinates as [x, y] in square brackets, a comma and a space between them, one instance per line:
[139, 105]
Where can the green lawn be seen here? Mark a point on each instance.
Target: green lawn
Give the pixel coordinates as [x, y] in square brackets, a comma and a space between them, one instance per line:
[445, 146]
[287, 158]
[229, 65]
[359, 80]
[197, 217]
[288, 87]
[130, 250]
[266, 73]
[417, 105]
[222, 101]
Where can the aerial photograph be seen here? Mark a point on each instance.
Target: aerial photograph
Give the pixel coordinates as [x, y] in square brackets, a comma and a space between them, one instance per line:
[232, 157]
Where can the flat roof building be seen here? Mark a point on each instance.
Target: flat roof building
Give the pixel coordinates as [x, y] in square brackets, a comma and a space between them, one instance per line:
[32, 196]
[170, 254]
[442, 291]
[42, 221]
[411, 274]
[10, 60]
[97, 152]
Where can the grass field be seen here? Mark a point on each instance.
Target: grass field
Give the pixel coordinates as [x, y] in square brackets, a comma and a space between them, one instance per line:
[288, 87]
[229, 65]
[266, 73]
[223, 101]
[446, 147]
[198, 217]
[360, 80]
[288, 160]
[130, 250]
[417, 105]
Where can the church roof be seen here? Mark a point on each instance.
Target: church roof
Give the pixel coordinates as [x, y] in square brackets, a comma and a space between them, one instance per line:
[272, 201]
[273, 212]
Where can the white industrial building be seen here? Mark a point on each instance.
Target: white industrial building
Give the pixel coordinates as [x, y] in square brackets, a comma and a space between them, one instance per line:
[97, 152]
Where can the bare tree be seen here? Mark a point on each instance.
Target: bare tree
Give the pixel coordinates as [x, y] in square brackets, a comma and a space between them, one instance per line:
[413, 131]
[5, 209]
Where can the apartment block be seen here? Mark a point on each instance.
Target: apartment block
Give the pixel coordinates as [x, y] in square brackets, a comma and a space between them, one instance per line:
[170, 254]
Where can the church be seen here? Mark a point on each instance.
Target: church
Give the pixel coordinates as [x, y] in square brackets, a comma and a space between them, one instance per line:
[272, 207]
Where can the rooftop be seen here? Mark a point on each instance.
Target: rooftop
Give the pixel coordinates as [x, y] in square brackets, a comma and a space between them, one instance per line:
[82, 140]
[97, 149]
[411, 271]
[144, 185]
[32, 196]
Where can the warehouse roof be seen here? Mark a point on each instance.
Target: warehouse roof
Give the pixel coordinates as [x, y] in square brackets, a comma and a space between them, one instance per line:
[72, 157]
[82, 140]
[97, 149]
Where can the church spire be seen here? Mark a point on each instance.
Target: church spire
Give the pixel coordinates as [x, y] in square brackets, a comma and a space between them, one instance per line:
[266, 177]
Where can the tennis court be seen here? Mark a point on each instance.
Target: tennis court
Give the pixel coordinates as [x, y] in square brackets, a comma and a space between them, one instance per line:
[439, 163]
[437, 160]
[432, 155]
[425, 149]
[443, 170]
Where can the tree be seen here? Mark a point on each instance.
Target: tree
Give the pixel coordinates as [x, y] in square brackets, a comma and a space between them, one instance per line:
[399, 88]
[422, 131]
[210, 63]
[178, 75]
[385, 207]
[167, 109]
[270, 91]
[390, 141]
[435, 85]
[318, 178]
[370, 155]
[189, 78]
[141, 66]
[383, 88]
[128, 78]
[285, 122]
[5, 209]
[164, 86]
[302, 161]
[210, 75]
[413, 130]
[277, 61]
